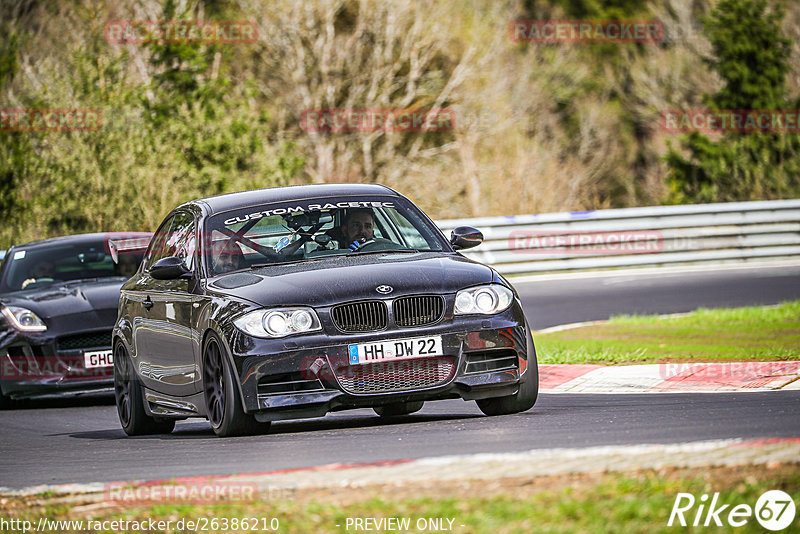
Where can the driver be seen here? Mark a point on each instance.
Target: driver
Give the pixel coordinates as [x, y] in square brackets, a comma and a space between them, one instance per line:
[358, 227]
[43, 270]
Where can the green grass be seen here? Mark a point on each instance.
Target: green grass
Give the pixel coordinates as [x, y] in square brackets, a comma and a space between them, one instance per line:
[629, 503]
[753, 333]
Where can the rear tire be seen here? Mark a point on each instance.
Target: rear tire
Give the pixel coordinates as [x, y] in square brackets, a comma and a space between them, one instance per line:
[398, 408]
[130, 399]
[223, 402]
[522, 400]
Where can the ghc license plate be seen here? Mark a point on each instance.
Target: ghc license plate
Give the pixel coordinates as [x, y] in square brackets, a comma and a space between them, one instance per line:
[99, 358]
[395, 349]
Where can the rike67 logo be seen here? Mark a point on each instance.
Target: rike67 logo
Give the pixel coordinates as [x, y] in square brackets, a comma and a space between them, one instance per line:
[774, 510]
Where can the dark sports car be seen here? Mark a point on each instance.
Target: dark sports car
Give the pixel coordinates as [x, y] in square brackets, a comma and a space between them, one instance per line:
[58, 304]
[292, 302]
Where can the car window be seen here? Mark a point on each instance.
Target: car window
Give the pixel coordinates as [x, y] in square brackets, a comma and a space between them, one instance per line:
[406, 230]
[31, 267]
[180, 241]
[315, 228]
[156, 249]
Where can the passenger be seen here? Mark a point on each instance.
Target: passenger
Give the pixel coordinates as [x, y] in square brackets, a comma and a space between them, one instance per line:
[127, 265]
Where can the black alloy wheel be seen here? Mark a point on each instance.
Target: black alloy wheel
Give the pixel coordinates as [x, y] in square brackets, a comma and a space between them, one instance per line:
[122, 385]
[213, 383]
[223, 401]
[130, 399]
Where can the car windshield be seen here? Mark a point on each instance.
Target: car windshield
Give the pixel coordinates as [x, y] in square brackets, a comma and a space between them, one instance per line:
[35, 266]
[276, 233]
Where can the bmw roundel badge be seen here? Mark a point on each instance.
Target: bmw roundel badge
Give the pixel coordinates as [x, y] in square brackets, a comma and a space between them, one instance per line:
[384, 289]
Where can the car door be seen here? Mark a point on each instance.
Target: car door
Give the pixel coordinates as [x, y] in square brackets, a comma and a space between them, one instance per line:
[167, 360]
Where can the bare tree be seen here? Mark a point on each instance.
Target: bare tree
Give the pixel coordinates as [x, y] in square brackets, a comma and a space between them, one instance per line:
[358, 54]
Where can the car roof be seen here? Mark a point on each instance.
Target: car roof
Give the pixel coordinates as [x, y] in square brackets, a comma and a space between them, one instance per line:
[231, 201]
[80, 238]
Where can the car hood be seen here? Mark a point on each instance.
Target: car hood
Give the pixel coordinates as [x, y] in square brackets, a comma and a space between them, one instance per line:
[67, 298]
[342, 278]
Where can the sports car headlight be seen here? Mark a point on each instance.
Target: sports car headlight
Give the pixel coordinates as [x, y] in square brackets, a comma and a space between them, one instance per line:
[278, 322]
[488, 299]
[23, 319]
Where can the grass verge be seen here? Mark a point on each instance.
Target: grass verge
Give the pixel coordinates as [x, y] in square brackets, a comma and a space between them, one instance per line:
[760, 333]
[609, 502]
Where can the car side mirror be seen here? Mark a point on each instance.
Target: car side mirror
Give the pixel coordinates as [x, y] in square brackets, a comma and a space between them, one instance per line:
[465, 237]
[169, 268]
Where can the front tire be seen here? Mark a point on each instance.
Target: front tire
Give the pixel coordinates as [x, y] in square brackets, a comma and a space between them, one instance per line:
[130, 399]
[223, 402]
[524, 398]
[398, 408]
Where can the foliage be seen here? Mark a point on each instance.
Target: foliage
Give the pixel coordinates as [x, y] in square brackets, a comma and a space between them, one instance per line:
[14, 150]
[751, 55]
[538, 128]
[181, 134]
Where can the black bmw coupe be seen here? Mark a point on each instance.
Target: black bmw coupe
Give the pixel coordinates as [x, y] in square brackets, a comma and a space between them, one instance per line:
[58, 304]
[293, 302]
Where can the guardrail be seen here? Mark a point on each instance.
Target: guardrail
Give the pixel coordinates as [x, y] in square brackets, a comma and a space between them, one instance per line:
[633, 237]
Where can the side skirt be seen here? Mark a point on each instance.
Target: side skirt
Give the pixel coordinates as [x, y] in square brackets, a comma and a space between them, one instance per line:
[160, 405]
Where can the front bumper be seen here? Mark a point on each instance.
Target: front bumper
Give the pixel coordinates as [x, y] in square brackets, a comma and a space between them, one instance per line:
[34, 366]
[280, 379]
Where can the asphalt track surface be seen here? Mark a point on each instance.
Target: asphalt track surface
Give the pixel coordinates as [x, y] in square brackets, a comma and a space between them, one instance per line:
[59, 442]
[551, 302]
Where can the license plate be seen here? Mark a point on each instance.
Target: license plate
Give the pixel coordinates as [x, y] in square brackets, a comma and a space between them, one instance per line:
[98, 358]
[396, 349]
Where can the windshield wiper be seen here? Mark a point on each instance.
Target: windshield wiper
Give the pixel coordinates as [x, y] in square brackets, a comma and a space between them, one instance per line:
[88, 279]
[382, 251]
[353, 253]
[278, 263]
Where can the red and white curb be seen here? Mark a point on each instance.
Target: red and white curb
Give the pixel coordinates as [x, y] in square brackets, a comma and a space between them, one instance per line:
[480, 467]
[670, 377]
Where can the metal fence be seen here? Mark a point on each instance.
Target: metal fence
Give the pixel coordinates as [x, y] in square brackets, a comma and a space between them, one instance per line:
[632, 237]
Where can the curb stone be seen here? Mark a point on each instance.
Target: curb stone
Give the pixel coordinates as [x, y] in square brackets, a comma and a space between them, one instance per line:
[670, 377]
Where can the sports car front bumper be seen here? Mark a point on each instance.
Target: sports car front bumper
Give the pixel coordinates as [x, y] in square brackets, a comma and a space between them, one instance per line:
[47, 365]
[280, 379]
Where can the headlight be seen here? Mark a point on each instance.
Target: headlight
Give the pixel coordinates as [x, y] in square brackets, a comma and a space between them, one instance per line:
[278, 322]
[23, 319]
[488, 299]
